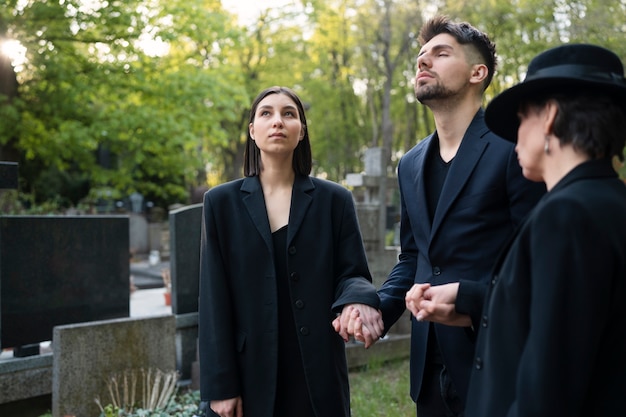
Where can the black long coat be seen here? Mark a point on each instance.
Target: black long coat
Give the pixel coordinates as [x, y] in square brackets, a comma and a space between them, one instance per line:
[238, 316]
[552, 339]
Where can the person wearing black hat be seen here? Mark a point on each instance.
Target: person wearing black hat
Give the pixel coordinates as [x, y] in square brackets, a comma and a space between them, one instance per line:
[552, 330]
[462, 195]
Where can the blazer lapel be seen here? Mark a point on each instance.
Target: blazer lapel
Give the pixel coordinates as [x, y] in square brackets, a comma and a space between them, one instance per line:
[255, 204]
[464, 163]
[420, 185]
[300, 202]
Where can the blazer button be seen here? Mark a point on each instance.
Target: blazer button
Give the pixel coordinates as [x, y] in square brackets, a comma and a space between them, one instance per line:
[304, 331]
[292, 250]
[478, 363]
[484, 321]
[294, 276]
[436, 271]
[299, 304]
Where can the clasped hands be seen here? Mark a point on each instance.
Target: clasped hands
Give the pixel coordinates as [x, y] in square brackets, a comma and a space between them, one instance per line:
[363, 322]
[425, 302]
[436, 304]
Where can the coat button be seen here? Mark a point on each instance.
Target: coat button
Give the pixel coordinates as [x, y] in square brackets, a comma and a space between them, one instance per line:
[304, 331]
[484, 321]
[292, 250]
[294, 276]
[299, 304]
[478, 363]
[494, 279]
[436, 271]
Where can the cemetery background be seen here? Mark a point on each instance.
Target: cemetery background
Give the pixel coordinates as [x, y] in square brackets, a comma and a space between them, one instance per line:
[124, 256]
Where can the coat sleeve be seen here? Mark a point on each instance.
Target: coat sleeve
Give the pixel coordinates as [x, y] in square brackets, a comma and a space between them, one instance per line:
[470, 300]
[353, 281]
[402, 277]
[218, 368]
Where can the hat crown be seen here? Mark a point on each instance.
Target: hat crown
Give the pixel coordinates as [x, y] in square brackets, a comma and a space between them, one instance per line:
[577, 61]
[565, 69]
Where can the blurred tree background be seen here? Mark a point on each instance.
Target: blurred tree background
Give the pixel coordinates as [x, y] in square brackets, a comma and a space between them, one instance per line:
[100, 99]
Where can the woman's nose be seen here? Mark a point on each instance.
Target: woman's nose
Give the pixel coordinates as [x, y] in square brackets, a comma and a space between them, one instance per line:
[278, 120]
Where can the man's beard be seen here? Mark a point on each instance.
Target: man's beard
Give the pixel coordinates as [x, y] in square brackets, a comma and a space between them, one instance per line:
[432, 92]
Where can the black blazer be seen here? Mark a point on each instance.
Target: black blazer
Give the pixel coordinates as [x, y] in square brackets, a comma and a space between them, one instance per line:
[552, 339]
[484, 198]
[238, 315]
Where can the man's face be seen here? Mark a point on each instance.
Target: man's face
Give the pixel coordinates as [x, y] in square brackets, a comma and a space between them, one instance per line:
[442, 69]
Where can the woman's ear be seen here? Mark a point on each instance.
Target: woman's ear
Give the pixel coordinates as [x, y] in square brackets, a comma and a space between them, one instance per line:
[251, 130]
[550, 111]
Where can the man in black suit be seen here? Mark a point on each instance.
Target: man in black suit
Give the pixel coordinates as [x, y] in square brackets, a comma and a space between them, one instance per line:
[463, 194]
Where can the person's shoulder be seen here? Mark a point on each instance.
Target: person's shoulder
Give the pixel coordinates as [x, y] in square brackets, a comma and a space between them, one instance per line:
[225, 188]
[498, 142]
[327, 185]
[419, 148]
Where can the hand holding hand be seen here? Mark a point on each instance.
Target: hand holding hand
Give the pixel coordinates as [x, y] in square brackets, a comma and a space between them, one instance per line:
[436, 304]
[361, 321]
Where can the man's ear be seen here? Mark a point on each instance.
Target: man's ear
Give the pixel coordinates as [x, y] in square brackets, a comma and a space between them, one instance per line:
[479, 73]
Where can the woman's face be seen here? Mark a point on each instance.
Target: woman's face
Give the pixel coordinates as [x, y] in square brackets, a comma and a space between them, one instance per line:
[531, 141]
[276, 128]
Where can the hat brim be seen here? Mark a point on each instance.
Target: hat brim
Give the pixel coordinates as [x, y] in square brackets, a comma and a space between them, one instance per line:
[501, 115]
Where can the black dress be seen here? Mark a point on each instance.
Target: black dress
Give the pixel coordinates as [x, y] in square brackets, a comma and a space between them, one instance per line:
[292, 393]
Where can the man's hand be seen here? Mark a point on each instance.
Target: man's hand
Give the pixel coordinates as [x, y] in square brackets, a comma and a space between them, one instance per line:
[361, 321]
[436, 304]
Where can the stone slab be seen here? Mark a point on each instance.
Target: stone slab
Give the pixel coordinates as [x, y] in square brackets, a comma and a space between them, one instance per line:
[22, 378]
[85, 355]
[185, 228]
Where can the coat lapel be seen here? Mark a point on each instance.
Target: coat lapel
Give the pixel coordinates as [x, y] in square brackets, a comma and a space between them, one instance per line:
[420, 186]
[255, 204]
[300, 202]
[464, 163]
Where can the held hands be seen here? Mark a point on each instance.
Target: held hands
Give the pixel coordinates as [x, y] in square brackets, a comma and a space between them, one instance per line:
[436, 304]
[233, 407]
[363, 322]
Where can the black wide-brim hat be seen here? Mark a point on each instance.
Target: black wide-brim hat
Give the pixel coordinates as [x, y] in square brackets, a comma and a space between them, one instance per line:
[565, 69]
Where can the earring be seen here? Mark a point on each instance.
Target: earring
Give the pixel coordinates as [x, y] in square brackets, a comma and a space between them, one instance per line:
[546, 147]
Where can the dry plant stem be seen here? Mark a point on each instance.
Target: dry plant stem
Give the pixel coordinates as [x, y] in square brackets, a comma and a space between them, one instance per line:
[155, 391]
[169, 385]
[158, 388]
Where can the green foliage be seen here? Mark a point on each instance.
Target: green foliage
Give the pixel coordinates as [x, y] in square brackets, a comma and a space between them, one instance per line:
[96, 108]
[184, 404]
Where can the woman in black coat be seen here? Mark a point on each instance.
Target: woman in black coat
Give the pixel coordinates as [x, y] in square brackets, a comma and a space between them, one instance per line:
[281, 254]
[552, 331]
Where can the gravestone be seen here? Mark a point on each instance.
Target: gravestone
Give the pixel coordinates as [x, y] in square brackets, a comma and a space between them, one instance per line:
[87, 354]
[185, 228]
[60, 269]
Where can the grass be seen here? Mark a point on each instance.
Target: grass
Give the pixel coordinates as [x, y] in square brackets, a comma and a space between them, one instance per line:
[381, 390]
